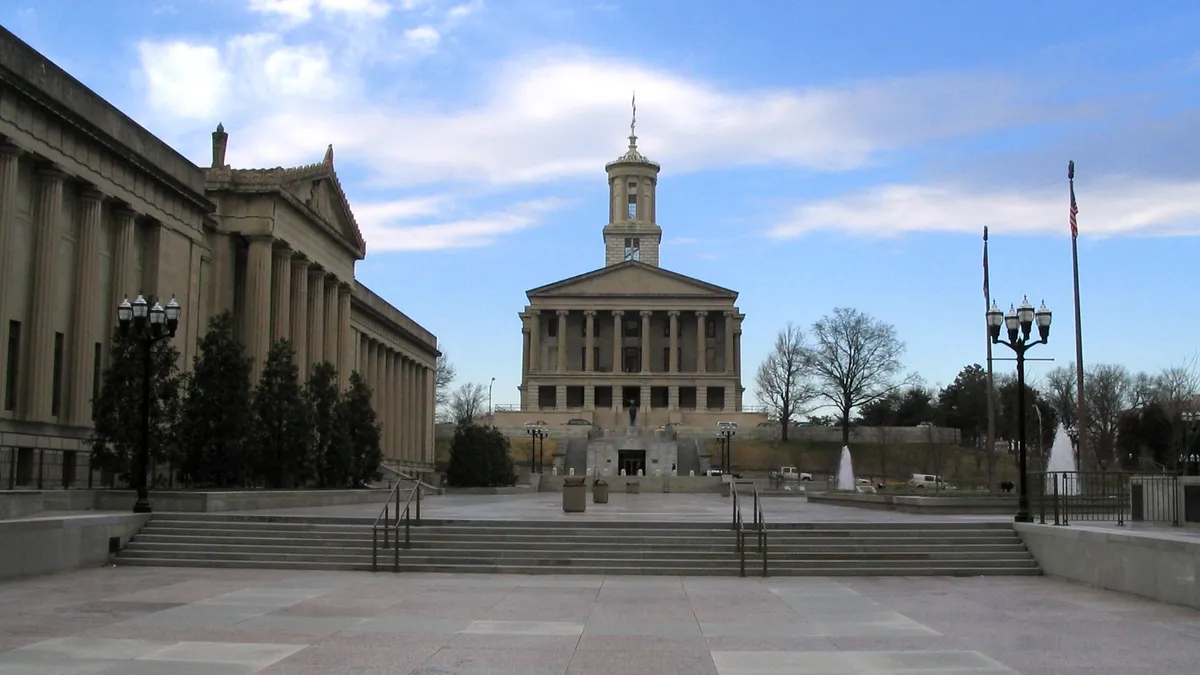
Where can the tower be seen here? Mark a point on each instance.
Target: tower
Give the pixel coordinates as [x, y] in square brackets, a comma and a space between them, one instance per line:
[631, 233]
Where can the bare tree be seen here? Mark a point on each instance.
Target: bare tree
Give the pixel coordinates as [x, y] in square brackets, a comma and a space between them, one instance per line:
[785, 386]
[444, 377]
[1177, 387]
[855, 359]
[1058, 389]
[1109, 392]
[468, 403]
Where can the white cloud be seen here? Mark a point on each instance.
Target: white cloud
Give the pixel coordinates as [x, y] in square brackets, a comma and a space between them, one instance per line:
[301, 11]
[1113, 206]
[422, 38]
[385, 228]
[184, 80]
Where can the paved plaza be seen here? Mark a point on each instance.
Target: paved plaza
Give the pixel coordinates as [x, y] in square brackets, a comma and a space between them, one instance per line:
[153, 621]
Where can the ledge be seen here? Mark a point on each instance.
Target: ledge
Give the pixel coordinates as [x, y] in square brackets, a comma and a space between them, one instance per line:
[917, 504]
[60, 543]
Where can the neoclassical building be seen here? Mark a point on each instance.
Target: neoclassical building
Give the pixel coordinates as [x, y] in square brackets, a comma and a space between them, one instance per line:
[94, 208]
[632, 343]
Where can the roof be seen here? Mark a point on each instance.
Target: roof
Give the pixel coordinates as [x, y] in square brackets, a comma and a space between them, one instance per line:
[630, 279]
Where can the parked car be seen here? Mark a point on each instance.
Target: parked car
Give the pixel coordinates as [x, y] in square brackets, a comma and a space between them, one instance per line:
[922, 481]
[578, 422]
[791, 473]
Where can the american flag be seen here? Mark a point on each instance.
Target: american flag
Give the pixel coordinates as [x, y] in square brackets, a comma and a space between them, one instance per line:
[1074, 213]
[987, 293]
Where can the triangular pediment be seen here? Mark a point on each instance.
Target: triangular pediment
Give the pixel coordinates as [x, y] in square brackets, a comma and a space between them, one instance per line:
[322, 194]
[631, 279]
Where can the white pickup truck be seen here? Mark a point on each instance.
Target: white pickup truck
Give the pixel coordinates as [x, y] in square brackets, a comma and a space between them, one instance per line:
[791, 473]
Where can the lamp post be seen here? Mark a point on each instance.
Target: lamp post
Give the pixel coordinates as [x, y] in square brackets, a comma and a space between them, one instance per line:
[726, 431]
[144, 325]
[537, 434]
[490, 400]
[1188, 460]
[1019, 322]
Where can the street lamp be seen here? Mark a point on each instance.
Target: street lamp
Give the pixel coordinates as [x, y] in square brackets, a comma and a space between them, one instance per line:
[537, 445]
[1019, 322]
[727, 430]
[144, 325]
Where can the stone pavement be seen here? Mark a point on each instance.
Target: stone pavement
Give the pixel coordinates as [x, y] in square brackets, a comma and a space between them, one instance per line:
[657, 507]
[143, 621]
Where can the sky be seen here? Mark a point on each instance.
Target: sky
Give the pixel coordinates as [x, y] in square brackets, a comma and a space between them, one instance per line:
[814, 154]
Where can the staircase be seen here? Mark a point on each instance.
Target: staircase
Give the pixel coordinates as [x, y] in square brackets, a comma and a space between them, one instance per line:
[685, 549]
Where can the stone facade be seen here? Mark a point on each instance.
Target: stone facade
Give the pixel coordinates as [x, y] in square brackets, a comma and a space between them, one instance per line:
[631, 343]
[93, 208]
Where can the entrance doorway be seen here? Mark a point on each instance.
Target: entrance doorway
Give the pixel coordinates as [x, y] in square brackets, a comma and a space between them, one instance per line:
[632, 397]
[631, 461]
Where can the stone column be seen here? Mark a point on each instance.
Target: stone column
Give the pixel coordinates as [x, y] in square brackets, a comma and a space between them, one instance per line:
[347, 341]
[412, 390]
[125, 225]
[737, 365]
[40, 354]
[368, 371]
[9, 166]
[298, 316]
[618, 365]
[729, 341]
[333, 329]
[646, 340]
[673, 366]
[673, 397]
[426, 414]
[387, 412]
[281, 294]
[87, 303]
[562, 340]
[402, 381]
[589, 359]
[316, 316]
[535, 341]
[526, 348]
[701, 345]
[430, 425]
[258, 303]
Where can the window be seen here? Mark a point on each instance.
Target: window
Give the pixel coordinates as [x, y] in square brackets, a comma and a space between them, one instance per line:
[595, 358]
[14, 362]
[633, 248]
[633, 328]
[583, 358]
[633, 360]
[632, 210]
[56, 377]
[552, 329]
[666, 359]
[667, 328]
[97, 373]
[710, 328]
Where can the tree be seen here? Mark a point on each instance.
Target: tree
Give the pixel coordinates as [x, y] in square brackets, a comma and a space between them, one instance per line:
[1059, 390]
[963, 405]
[479, 457]
[855, 360]
[1038, 437]
[328, 459]
[1144, 437]
[784, 384]
[881, 412]
[1108, 389]
[468, 403]
[916, 407]
[280, 433]
[359, 431]
[444, 377]
[215, 420]
[117, 411]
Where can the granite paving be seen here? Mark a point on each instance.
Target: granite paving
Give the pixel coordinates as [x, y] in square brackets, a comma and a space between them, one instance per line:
[178, 621]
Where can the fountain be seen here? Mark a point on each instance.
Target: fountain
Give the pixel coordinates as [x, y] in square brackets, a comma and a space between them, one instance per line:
[1062, 458]
[845, 473]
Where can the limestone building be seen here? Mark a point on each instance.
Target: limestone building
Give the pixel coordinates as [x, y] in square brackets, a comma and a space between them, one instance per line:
[632, 343]
[94, 208]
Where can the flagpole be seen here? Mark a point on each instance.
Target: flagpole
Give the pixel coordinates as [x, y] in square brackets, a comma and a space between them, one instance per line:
[1081, 424]
[991, 403]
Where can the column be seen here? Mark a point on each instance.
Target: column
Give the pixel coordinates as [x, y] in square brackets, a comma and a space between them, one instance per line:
[87, 303]
[387, 413]
[729, 342]
[646, 343]
[124, 224]
[299, 315]
[332, 327]
[618, 365]
[412, 391]
[562, 340]
[701, 346]
[430, 397]
[589, 360]
[368, 371]
[9, 166]
[535, 341]
[403, 398]
[526, 345]
[673, 397]
[316, 316]
[281, 294]
[426, 413]
[347, 339]
[673, 357]
[258, 303]
[737, 364]
[40, 354]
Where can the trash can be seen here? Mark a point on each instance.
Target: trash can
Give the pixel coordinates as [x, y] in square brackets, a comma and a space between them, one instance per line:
[633, 487]
[724, 487]
[600, 492]
[574, 494]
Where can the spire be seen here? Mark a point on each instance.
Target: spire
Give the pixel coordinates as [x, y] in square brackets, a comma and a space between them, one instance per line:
[632, 155]
[633, 126]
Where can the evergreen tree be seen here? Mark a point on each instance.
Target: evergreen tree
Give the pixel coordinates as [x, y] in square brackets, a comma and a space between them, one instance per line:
[216, 415]
[359, 431]
[117, 411]
[281, 426]
[328, 460]
[479, 457]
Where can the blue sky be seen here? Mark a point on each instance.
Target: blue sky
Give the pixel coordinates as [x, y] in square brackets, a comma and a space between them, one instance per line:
[815, 154]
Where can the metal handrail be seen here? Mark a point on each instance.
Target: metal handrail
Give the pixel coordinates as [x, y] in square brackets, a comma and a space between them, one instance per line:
[760, 524]
[391, 526]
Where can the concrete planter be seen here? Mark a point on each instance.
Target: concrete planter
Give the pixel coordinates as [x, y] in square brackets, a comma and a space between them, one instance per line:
[600, 492]
[575, 495]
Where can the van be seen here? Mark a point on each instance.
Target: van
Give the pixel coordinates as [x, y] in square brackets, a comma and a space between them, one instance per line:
[923, 481]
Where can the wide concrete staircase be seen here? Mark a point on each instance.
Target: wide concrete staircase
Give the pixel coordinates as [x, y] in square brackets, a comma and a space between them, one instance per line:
[885, 549]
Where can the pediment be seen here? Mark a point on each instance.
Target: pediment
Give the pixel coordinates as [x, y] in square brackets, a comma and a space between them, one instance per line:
[323, 195]
[631, 279]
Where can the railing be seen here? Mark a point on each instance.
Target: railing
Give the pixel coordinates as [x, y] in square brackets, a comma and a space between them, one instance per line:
[1064, 496]
[739, 526]
[390, 526]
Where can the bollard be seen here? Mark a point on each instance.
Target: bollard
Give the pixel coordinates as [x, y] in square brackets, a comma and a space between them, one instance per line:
[622, 472]
[554, 471]
[640, 472]
[692, 472]
[571, 471]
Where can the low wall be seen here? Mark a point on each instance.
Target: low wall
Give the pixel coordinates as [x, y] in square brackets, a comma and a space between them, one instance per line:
[24, 503]
[918, 504]
[1159, 565]
[60, 543]
[646, 484]
[240, 500]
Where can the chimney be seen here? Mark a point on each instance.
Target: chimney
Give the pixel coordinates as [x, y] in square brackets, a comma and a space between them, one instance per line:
[220, 142]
